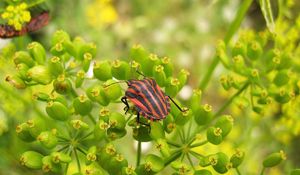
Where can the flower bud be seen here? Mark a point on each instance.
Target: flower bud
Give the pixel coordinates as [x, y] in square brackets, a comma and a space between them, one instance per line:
[202, 172]
[16, 81]
[40, 74]
[70, 48]
[237, 158]
[281, 78]
[203, 115]
[107, 153]
[78, 124]
[57, 111]
[183, 117]
[183, 77]
[172, 86]
[254, 50]
[85, 48]
[120, 70]
[159, 75]
[274, 159]
[93, 169]
[87, 58]
[282, 96]
[138, 53]
[239, 64]
[82, 105]
[117, 120]
[59, 36]
[23, 57]
[221, 163]
[59, 157]
[149, 63]
[168, 66]
[130, 170]
[48, 165]
[95, 93]
[157, 131]
[100, 130]
[286, 61]
[36, 126]
[102, 70]
[23, 132]
[169, 123]
[79, 78]
[47, 139]
[225, 122]
[214, 135]
[55, 66]
[154, 163]
[239, 49]
[31, 159]
[22, 71]
[41, 96]
[141, 134]
[162, 146]
[57, 49]
[92, 154]
[195, 100]
[62, 85]
[37, 52]
[117, 163]
[181, 167]
[112, 90]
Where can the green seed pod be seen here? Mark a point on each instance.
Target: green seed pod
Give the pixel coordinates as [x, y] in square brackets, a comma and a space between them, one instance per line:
[59, 157]
[206, 161]
[87, 58]
[93, 169]
[55, 66]
[48, 165]
[149, 64]
[295, 172]
[57, 49]
[37, 52]
[41, 96]
[239, 64]
[120, 70]
[221, 163]
[274, 159]
[57, 111]
[117, 120]
[59, 36]
[181, 167]
[92, 154]
[169, 123]
[79, 78]
[141, 134]
[22, 71]
[23, 132]
[159, 75]
[85, 48]
[112, 90]
[257, 109]
[157, 131]
[104, 114]
[172, 86]
[254, 50]
[107, 153]
[155, 163]
[113, 133]
[162, 146]
[202, 172]
[263, 37]
[183, 117]
[144, 169]
[286, 61]
[195, 100]
[62, 85]
[79, 125]
[221, 53]
[282, 96]
[168, 66]
[138, 53]
[15, 81]
[117, 163]
[59, 98]
[36, 126]
[253, 75]
[82, 105]
[129, 170]
[225, 82]
[239, 48]
[203, 115]
[237, 158]
[214, 135]
[100, 130]
[225, 122]
[31, 159]
[70, 48]
[95, 93]
[102, 70]
[281, 78]
[23, 57]
[40, 74]
[47, 139]
[183, 77]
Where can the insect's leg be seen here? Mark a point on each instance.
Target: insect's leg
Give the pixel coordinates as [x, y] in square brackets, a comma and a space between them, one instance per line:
[177, 105]
[137, 71]
[139, 121]
[124, 100]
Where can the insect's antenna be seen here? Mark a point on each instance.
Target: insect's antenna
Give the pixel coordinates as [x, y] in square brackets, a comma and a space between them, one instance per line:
[105, 86]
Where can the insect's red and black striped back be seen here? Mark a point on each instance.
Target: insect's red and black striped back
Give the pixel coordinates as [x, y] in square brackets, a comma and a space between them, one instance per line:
[36, 23]
[149, 100]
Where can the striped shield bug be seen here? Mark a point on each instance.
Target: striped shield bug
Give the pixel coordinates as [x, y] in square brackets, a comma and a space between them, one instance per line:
[148, 99]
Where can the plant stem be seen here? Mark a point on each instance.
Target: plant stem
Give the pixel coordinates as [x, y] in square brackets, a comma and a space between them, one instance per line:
[63, 148]
[77, 160]
[35, 3]
[195, 154]
[198, 144]
[173, 157]
[92, 118]
[238, 171]
[190, 160]
[232, 29]
[86, 136]
[139, 153]
[173, 144]
[262, 171]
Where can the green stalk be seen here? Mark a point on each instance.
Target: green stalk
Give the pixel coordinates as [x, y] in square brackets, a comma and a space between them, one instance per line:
[198, 144]
[190, 160]
[92, 118]
[262, 171]
[173, 157]
[238, 171]
[77, 160]
[139, 153]
[232, 29]
[35, 3]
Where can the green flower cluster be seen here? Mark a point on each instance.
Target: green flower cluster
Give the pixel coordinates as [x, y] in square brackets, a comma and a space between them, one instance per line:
[83, 122]
[16, 15]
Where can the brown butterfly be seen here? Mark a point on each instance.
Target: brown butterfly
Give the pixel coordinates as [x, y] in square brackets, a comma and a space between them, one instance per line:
[36, 23]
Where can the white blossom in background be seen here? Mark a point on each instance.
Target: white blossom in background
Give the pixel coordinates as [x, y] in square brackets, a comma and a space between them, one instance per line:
[186, 92]
[145, 146]
[203, 25]
[184, 59]
[3, 42]
[229, 10]
[206, 52]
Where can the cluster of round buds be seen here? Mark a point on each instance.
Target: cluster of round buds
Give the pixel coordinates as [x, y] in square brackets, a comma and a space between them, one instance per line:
[16, 15]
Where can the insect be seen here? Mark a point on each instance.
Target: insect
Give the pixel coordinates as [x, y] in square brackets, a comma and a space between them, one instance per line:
[148, 99]
[36, 23]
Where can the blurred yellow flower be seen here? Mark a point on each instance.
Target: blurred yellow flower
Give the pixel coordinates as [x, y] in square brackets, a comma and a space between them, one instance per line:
[101, 13]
